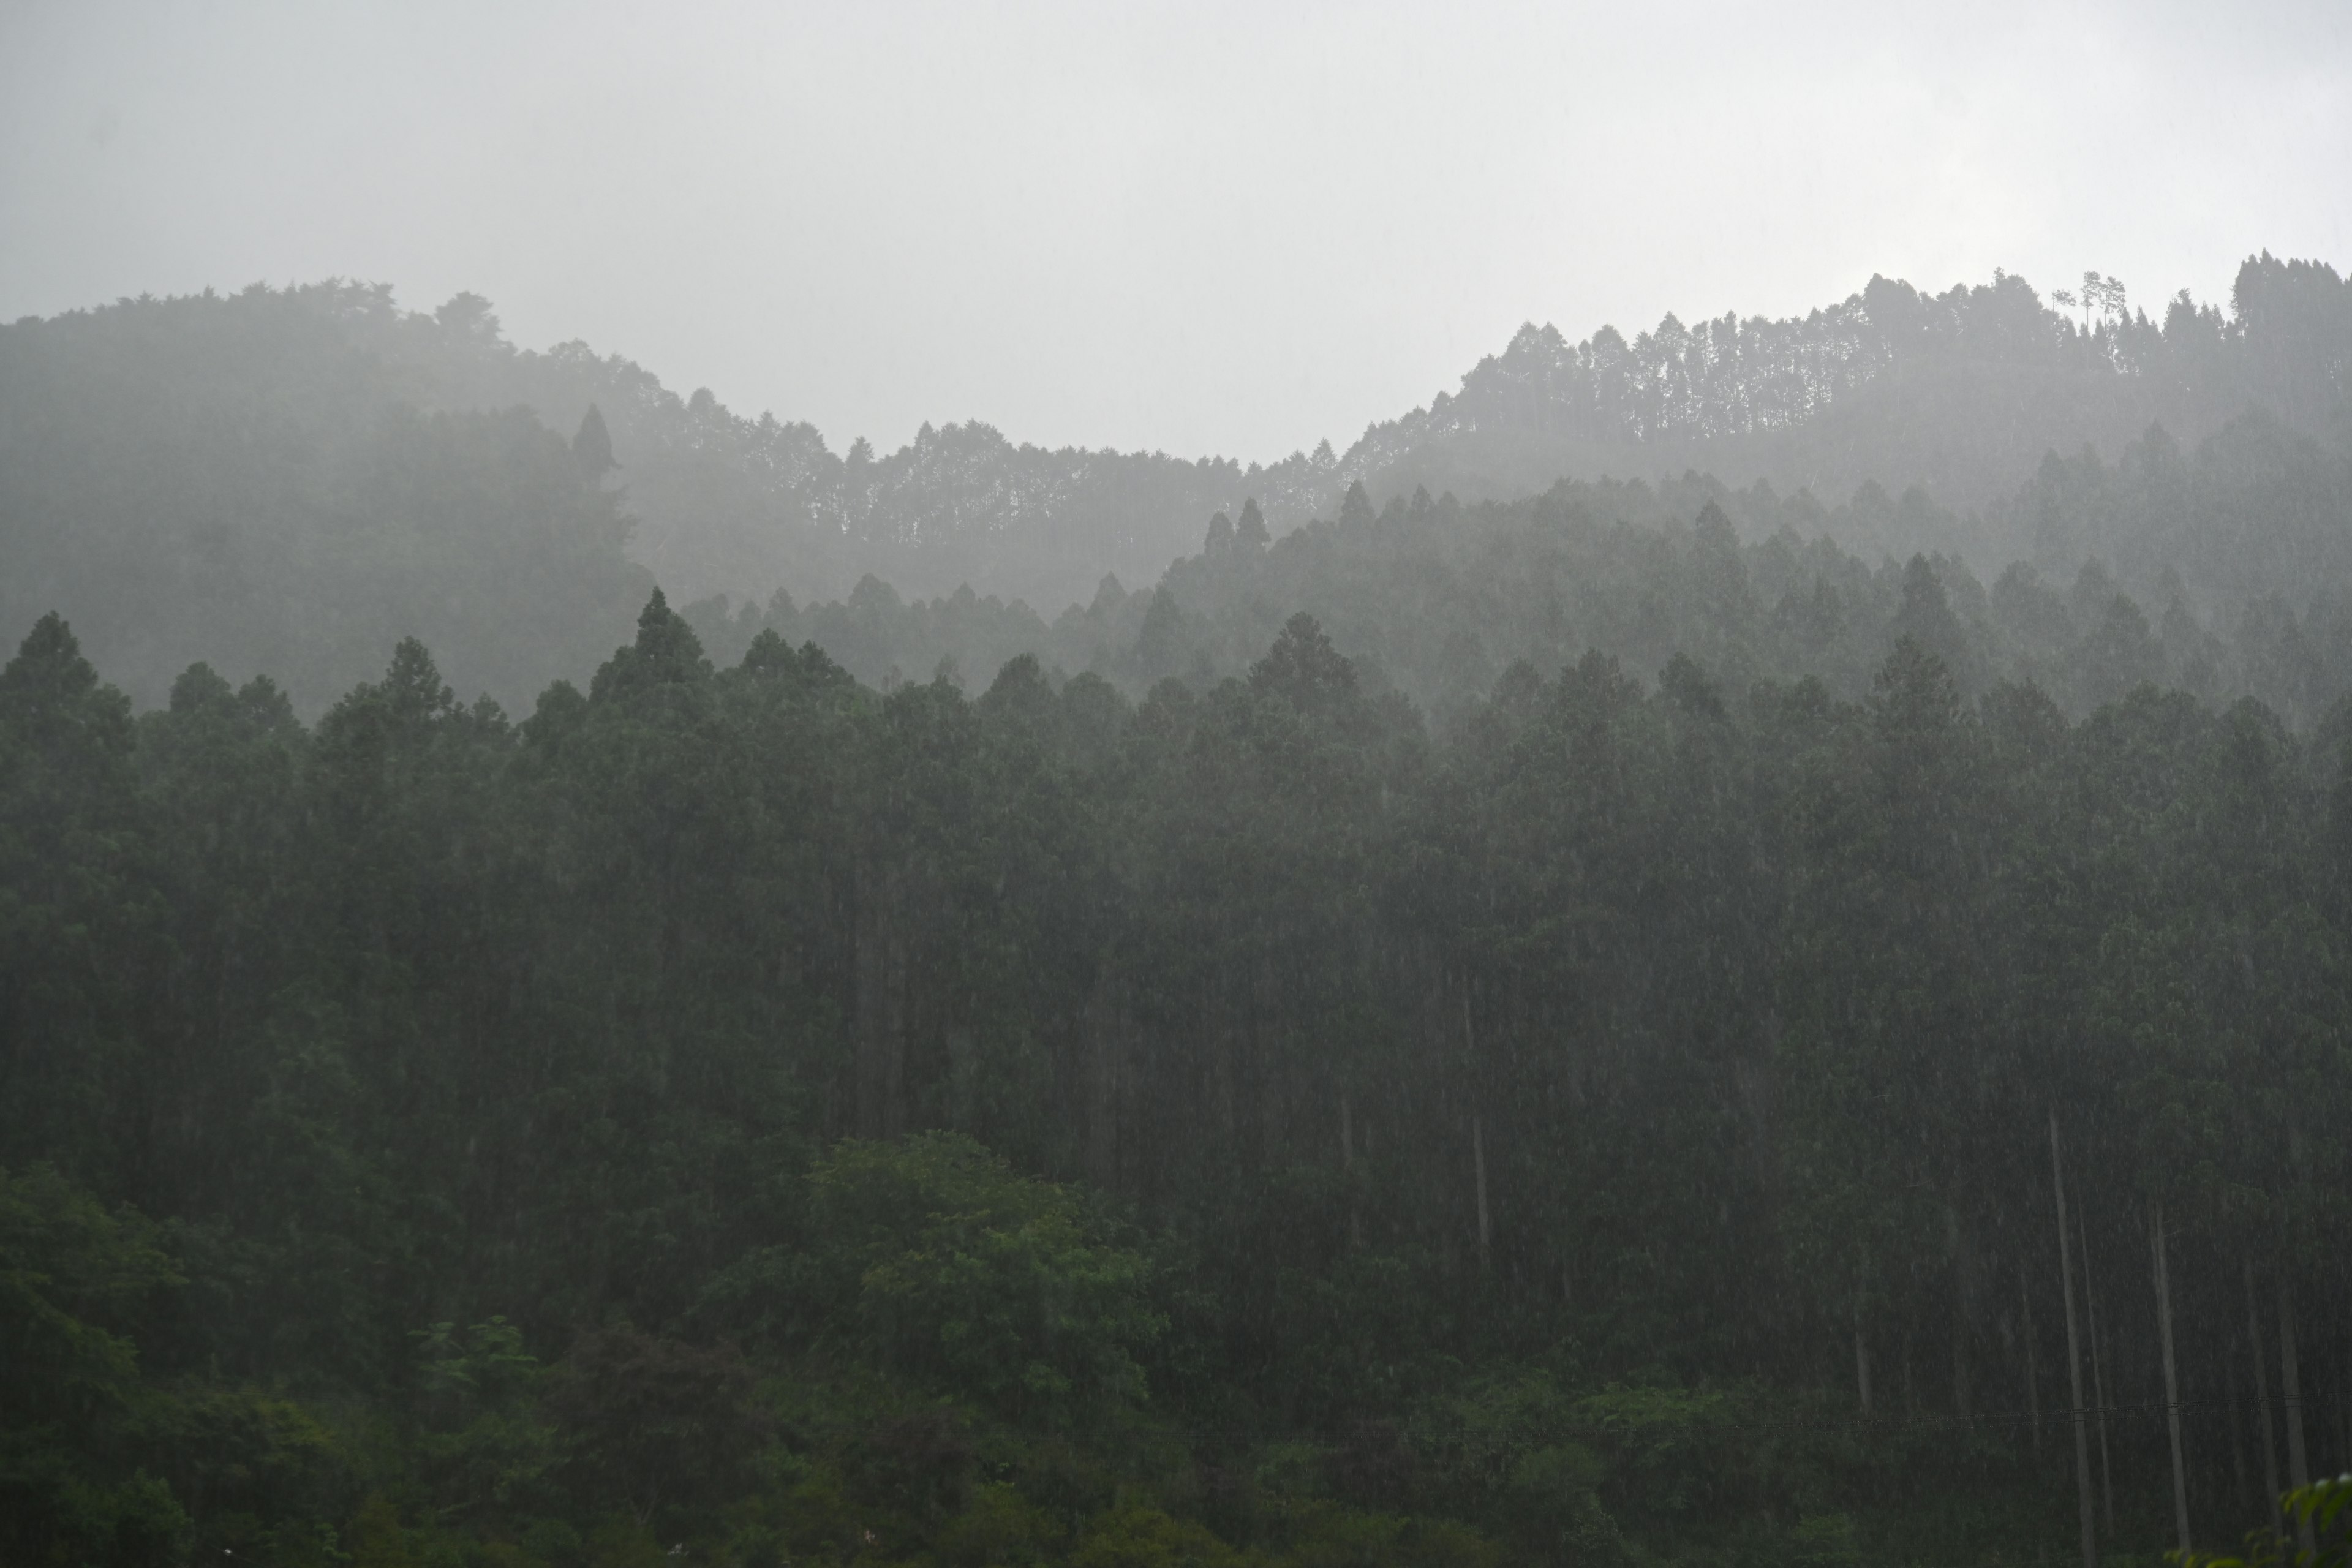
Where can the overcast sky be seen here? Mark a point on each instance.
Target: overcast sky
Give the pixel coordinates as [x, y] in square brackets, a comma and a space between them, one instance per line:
[1200, 228]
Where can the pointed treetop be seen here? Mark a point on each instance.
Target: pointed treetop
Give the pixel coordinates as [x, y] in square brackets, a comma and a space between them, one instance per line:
[592, 447]
[49, 690]
[49, 663]
[1688, 687]
[1251, 529]
[1913, 692]
[1304, 667]
[1714, 526]
[413, 688]
[665, 652]
[1161, 643]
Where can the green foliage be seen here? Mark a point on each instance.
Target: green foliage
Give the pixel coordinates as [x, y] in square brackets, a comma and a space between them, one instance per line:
[483, 1447]
[1135, 1535]
[656, 1424]
[65, 1261]
[810, 1121]
[2324, 1508]
[951, 1264]
[73, 1276]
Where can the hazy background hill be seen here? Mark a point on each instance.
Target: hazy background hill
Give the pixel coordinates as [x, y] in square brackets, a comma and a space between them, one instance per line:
[241, 480]
[288, 480]
[1961, 393]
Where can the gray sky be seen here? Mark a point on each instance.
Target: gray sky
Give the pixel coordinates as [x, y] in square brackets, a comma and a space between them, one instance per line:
[1200, 228]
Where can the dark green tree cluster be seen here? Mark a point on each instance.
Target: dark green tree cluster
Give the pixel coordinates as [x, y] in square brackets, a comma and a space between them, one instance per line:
[1671, 1111]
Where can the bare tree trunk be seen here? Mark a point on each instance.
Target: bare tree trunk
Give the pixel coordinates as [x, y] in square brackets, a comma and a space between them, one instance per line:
[2263, 1406]
[1105, 1024]
[1960, 1405]
[2032, 1362]
[2098, 1378]
[1477, 1128]
[2237, 1422]
[1963, 1310]
[2343, 1402]
[1348, 1167]
[2074, 1357]
[2298, 1461]
[1478, 1153]
[2161, 1263]
[1861, 1358]
[882, 985]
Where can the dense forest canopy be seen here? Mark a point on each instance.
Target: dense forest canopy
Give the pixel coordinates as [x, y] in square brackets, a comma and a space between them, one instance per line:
[1616, 1121]
[1472, 1017]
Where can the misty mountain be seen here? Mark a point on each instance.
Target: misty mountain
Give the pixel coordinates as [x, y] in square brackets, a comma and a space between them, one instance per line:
[291, 480]
[1961, 393]
[239, 481]
[2223, 570]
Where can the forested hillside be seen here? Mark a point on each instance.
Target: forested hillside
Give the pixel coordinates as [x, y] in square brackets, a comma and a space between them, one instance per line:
[1706, 953]
[238, 480]
[737, 1115]
[270, 484]
[1960, 393]
[2223, 570]
[215, 459]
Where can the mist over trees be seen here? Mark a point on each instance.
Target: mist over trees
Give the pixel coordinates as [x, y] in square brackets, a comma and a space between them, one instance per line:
[272, 461]
[1782, 1009]
[236, 480]
[2221, 571]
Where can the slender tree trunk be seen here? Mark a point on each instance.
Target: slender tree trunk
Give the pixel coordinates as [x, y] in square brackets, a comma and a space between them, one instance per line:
[2159, 1263]
[1478, 1153]
[882, 986]
[2343, 1400]
[2298, 1460]
[2262, 1405]
[2033, 1360]
[1963, 1310]
[1961, 1406]
[1105, 1023]
[2236, 1423]
[1347, 1168]
[1477, 1129]
[2074, 1357]
[2098, 1379]
[1861, 1358]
